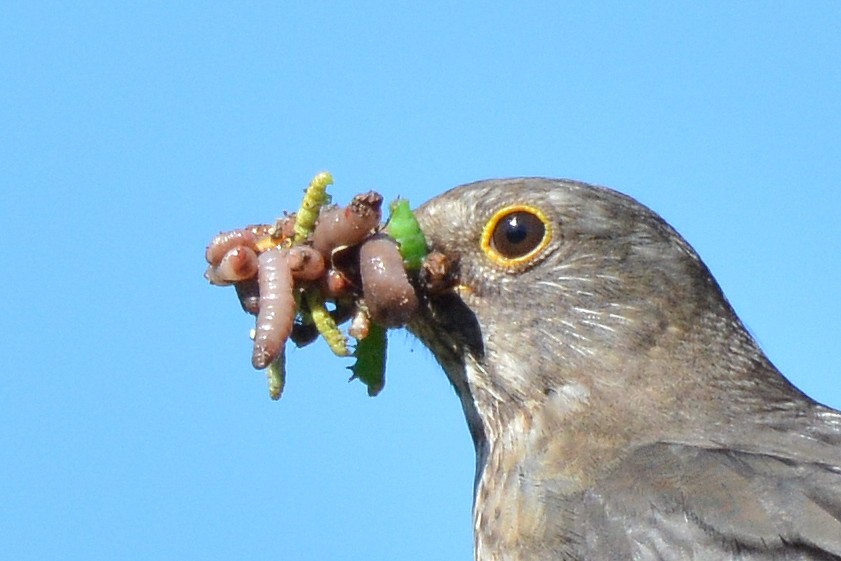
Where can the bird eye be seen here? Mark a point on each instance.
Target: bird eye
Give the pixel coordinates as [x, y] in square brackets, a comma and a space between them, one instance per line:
[515, 235]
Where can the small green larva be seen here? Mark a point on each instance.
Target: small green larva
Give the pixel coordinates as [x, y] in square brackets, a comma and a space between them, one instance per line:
[325, 323]
[315, 197]
[370, 359]
[404, 228]
[276, 375]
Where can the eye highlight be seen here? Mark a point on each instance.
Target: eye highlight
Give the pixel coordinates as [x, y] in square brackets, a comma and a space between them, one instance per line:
[515, 235]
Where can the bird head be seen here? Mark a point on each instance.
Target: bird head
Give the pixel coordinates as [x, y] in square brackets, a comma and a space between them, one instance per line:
[576, 309]
[618, 406]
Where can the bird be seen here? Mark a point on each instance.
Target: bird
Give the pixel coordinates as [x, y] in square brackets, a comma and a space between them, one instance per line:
[618, 407]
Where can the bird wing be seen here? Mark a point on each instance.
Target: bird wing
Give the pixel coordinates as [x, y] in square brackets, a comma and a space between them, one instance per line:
[676, 501]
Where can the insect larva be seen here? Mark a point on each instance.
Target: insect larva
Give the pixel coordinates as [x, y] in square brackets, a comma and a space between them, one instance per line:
[338, 227]
[325, 323]
[390, 298]
[314, 198]
[288, 269]
[404, 228]
[370, 360]
[335, 284]
[276, 375]
[248, 292]
[225, 241]
[238, 264]
[305, 332]
[305, 262]
[277, 307]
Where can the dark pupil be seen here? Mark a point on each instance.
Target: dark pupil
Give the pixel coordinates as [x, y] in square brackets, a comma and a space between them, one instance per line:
[517, 234]
[515, 231]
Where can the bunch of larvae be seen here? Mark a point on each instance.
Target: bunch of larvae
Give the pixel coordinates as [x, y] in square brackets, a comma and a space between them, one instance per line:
[286, 273]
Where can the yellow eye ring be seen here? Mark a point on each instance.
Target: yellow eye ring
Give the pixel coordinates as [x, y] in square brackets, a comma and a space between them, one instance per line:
[515, 235]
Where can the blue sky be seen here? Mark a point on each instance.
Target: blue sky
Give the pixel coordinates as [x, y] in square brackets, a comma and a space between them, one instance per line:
[131, 423]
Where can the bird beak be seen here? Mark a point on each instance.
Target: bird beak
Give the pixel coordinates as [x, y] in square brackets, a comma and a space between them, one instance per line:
[445, 323]
[439, 274]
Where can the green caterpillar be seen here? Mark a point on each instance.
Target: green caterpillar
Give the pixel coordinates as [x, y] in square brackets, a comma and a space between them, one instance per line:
[370, 359]
[276, 375]
[315, 197]
[325, 324]
[404, 228]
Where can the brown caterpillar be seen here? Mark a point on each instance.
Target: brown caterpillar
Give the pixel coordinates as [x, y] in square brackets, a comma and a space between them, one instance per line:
[390, 298]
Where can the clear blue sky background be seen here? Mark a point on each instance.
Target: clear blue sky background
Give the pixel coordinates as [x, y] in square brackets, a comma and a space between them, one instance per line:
[131, 423]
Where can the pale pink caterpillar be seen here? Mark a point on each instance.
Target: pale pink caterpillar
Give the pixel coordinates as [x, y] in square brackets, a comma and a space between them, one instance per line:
[338, 227]
[225, 241]
[278, 268]
[305, 262]
[238, 264]
[232, 255]
[390, 298]
[277, 307]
